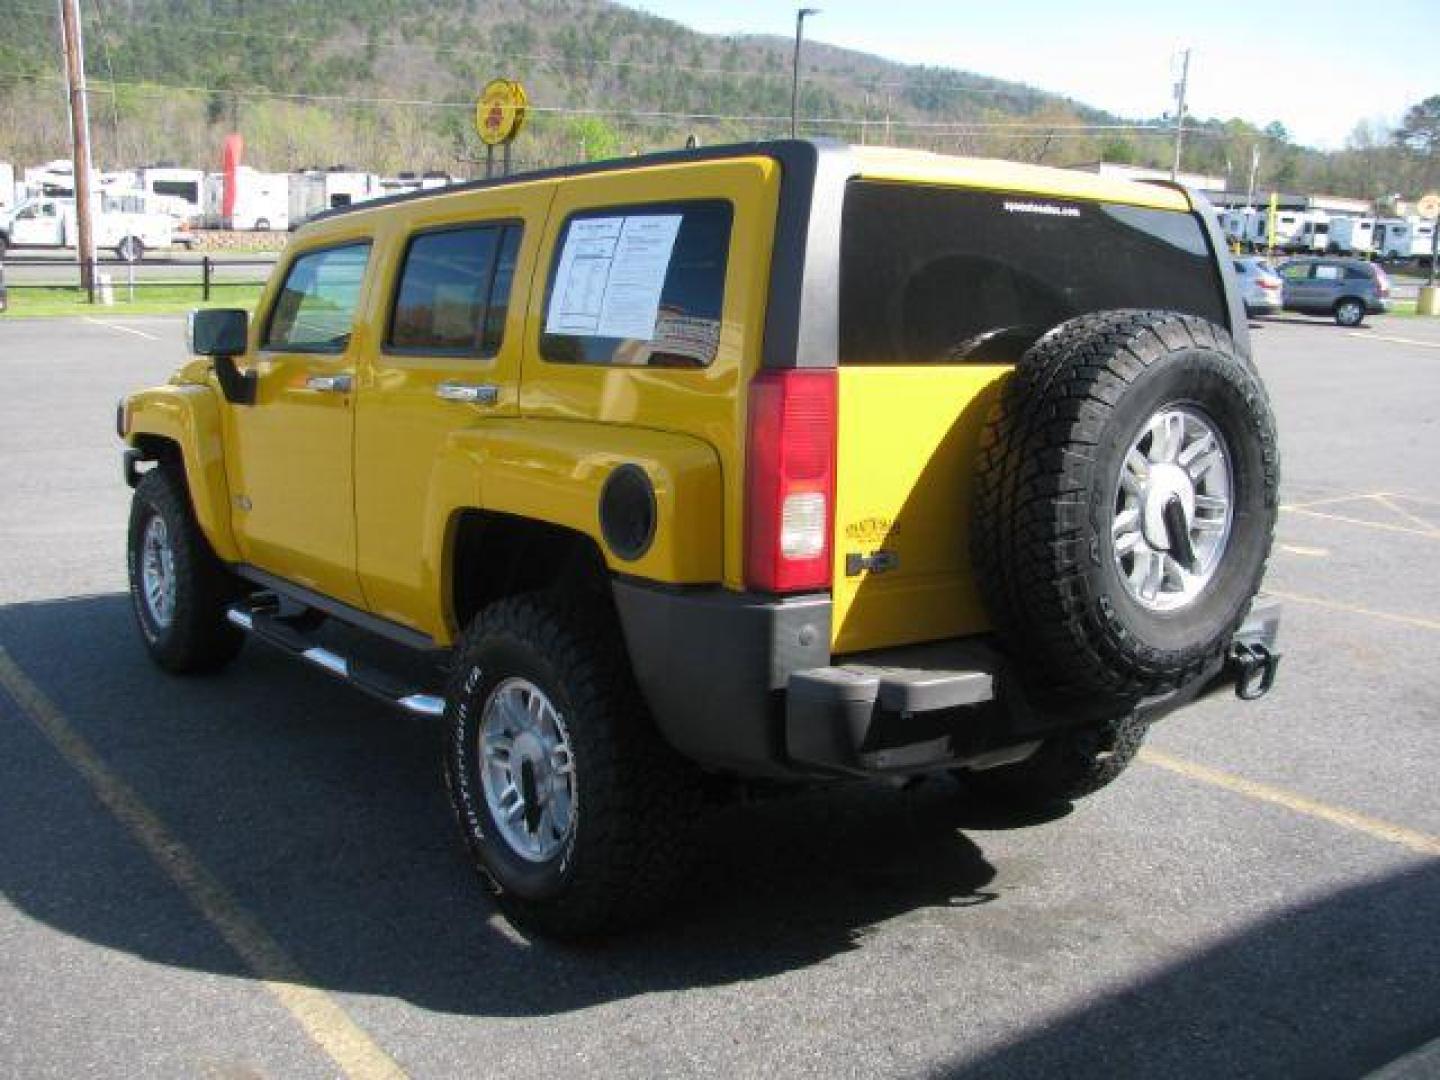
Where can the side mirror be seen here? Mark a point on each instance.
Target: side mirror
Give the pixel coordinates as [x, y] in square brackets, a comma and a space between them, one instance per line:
[223, 333]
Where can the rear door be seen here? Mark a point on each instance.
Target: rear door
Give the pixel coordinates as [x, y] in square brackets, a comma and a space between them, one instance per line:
[941, 290]
[446, 359]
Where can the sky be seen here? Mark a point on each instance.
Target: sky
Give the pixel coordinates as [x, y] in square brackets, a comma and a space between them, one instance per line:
[1315, 66]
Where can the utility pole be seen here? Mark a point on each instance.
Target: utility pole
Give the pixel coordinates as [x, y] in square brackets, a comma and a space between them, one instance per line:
[80, 138]
[1180, 89]
[1254, 170]
[795, 80]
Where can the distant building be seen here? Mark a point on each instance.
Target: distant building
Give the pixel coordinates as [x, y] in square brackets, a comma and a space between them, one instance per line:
[1198, 181]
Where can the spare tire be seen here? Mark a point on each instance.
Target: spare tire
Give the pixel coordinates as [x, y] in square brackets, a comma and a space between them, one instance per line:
[1125, 503]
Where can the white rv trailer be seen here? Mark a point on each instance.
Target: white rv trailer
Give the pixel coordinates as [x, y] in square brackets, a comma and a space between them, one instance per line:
[1352, 235]
[1404, 239]
[262, 200]
[315, 190]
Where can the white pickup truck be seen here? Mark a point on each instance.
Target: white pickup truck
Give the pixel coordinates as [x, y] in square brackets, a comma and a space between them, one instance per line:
[50, 223]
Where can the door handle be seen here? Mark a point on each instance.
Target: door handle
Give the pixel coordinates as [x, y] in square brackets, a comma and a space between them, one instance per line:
[329, 384]
[471, 393]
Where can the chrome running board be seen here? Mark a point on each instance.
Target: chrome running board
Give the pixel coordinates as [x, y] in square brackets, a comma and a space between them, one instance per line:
[367, 679]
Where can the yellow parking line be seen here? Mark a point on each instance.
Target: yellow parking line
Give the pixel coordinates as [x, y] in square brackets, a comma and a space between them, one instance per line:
[1353, 609]
[1389, 504]
[1433, 534]
[1332, 499]
[1302, 549]
[1414, 840]
[317, 1013]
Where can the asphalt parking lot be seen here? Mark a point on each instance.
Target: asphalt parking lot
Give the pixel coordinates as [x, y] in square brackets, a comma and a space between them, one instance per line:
[255, 874]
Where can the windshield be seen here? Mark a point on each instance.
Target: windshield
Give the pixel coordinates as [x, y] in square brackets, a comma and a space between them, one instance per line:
[930, 274]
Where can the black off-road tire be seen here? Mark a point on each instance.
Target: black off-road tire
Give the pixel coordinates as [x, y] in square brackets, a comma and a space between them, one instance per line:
[1045, 492]
[197, 638]
[1066, 767]
[636, 798]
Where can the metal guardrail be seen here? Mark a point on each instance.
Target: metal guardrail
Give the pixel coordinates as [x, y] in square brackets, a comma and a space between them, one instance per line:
[70, 275]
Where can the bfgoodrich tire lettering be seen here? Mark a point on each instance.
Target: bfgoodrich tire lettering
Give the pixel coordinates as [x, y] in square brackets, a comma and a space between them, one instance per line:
[190, 632]
[1046, 490]
[634, 797]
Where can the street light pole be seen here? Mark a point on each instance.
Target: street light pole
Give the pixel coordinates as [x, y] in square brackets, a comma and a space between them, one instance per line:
[795, 81]
[1180, 113]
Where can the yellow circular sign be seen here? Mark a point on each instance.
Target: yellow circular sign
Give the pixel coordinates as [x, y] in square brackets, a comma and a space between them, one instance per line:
[1429, 206]
[500, 111]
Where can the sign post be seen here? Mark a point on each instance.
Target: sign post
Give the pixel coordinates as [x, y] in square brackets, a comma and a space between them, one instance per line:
[1428, 302]
[500, 114]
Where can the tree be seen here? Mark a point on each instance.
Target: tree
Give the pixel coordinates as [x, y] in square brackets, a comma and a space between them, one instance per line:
[1420, 130]
[1118, 150]
[1419, 136]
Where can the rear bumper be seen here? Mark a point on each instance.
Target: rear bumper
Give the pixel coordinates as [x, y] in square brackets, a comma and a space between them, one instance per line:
[746, 684]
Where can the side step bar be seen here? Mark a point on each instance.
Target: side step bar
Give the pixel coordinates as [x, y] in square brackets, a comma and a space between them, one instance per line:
[376, 683]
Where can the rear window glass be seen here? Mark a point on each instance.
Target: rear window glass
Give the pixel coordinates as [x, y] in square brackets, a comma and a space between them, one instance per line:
[933, 274]
[640, 286]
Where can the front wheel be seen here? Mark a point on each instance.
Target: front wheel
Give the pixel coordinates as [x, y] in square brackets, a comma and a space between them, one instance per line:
[574, 809]
[1350, 312]
[179, 590]
[131, 249]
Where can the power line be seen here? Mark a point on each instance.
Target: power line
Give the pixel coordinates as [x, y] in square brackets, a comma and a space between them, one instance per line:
[633, 115]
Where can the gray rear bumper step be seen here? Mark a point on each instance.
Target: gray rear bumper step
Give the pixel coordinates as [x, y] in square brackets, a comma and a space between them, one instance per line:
[368, 679]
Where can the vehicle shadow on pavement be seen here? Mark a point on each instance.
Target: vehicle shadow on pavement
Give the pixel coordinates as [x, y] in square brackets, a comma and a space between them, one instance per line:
[324, 814]
[1336, 987]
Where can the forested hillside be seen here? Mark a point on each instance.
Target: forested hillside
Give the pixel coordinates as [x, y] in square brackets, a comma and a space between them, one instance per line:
[388, 85]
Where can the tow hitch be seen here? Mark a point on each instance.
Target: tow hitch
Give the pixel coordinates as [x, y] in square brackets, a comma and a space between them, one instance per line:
[1255, 667]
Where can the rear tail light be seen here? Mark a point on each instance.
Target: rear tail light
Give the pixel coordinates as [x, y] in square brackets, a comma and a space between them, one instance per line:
[1382, 281]
[790, 481]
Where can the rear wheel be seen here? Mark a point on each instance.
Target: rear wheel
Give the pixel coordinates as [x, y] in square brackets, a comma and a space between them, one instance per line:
[131, 249]
[1350, 312]
[574, 809]
[1125, 504]
[179, 590]
[1066, 767]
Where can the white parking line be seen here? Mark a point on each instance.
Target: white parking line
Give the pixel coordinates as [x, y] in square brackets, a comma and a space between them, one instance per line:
[1396, 340]
[122, 329]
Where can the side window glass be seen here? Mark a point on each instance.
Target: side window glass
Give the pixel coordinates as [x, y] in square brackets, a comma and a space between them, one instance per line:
[1295, 271]
[316, 307]
[643, 286]
[1328, 273]
[444, 290]
[499, 306]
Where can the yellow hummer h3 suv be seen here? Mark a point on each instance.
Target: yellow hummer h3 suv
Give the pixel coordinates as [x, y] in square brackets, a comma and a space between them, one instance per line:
[784, 460]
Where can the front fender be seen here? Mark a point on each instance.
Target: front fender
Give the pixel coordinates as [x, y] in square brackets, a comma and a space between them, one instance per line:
[189, 417]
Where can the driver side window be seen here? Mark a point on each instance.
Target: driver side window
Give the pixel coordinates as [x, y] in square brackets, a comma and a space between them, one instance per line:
[316, 306]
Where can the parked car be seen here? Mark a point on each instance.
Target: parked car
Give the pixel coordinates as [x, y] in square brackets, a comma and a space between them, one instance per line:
[1345, 289]
[774, 462]
[47, 222]
[1260, 285]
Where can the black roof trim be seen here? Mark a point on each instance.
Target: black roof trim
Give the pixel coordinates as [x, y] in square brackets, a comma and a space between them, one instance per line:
[780, 149]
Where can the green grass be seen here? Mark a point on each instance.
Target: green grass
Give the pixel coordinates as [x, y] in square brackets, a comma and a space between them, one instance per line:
[149, 300]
